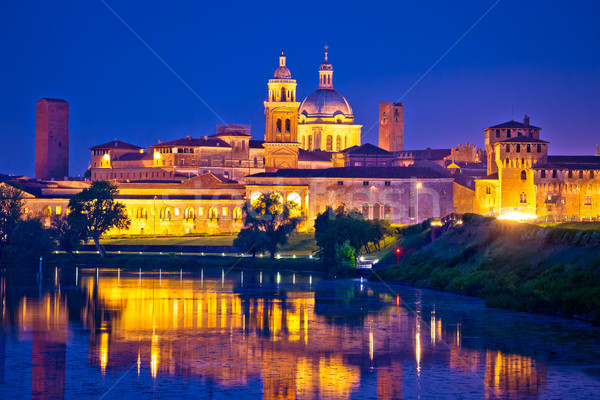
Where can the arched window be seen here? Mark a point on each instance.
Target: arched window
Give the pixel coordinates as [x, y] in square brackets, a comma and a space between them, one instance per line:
[213, 214]
[523, 198]
[310, 142]
[338, 143]
[518, 148]
[507, 163]
[387, 209]
[189, 213]
[287, 126]
[278, 126]
[523, 175]
[237, 214]
[329, 143]
[376, 211]
[508, 133]
[365, 210]
[508, 148]
[294, 198]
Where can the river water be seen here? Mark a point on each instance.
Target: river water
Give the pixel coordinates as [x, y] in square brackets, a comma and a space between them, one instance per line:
[215, 334]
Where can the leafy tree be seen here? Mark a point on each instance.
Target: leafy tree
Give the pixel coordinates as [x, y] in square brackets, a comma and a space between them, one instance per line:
[11, 211]
[344, 254]
[94, 211]
[269, 215]
[250, 240]
[28, 242]
[67, 237]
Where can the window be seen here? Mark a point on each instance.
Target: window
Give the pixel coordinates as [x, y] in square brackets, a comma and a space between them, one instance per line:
[523, 198]
[329, 143]
[554, 173]
[387, 211]
[529, 148]
[338, 143]
[365, 183]
[411, 212]
[488, 190]
[376, 211]
[411, 194]
[508, 133]
[570, 174]
[224, 211]
[518, 148]
[587, 200]
[523, 175]
[519, 133]
[388, 183]
[580, 174]
[255, 161]
[340, 183]
[508, 148]
[58, 210]
[591, 174]
[497, 133]
[278, 126]
[539, 148]
[200, 210]
[443, 194]
[287, 126]
[543, 173]
[365, 210]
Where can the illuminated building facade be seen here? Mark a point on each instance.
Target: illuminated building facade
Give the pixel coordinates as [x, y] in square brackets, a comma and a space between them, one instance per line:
[523, 178]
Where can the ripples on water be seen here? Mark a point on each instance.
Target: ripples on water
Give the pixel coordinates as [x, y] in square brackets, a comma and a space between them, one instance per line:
[115, 333]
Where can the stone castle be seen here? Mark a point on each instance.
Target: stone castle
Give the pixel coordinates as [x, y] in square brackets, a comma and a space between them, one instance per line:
[312, 156]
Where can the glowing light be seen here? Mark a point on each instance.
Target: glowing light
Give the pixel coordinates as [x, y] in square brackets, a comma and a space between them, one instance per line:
[419, 185]
[103, 352]
[156, 155]
[517, 216]
[106, 157]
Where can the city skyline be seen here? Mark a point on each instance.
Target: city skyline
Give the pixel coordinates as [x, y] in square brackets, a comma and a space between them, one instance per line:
[515, 61]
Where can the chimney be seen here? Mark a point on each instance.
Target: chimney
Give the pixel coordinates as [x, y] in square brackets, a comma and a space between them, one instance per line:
[189, 137]
[526, 120]
[159, 141]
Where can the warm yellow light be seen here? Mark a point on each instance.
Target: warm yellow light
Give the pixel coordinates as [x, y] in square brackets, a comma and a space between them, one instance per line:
[106, 157]
[156, 155]
[517, 216]
[419, 185]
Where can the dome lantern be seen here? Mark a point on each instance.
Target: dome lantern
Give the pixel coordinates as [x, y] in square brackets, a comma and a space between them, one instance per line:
[326, 73]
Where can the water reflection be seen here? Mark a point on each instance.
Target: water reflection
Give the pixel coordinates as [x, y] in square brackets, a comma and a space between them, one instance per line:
[270, 335]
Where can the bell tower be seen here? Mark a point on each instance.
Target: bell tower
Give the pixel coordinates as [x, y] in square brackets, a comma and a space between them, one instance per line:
[281, 111]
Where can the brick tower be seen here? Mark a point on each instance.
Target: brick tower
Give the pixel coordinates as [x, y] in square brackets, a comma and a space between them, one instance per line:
[391, 126]
[52, 139]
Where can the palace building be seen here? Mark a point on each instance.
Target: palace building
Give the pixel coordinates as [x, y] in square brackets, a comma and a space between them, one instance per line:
[312, 156]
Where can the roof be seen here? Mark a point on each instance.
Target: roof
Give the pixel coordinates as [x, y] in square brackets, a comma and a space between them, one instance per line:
[51, 100]
[357, 172]
[305, 155]
[571, 162]
[490, 176]
[116, 144]
[229, 134]
[134, 156]
[513, 125]
[256, 144]
[427, 154]
[366, 149]
[522, 139]
[193, 142]
[325, 102]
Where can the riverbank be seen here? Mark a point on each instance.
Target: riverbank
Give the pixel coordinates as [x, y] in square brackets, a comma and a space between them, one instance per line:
[523, 267]
[186, 260]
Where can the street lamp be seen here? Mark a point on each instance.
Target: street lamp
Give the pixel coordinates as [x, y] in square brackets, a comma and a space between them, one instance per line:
[398, 251]
[419, 185]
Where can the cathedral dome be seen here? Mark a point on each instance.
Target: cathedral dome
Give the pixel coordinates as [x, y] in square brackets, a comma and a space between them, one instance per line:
[282, 72]
[325, 102]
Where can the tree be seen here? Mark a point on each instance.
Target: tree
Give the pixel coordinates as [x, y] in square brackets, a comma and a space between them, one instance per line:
[94, 211]
[269, 215]
[11, 211]
[28, 242]
[67, 237]
[250, 240]
[338, 230]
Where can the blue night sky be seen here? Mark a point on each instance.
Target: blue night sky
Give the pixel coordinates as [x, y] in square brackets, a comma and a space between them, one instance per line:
[539, 58]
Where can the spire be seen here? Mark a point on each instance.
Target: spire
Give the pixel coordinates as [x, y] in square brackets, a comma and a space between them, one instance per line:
[326, 72]
[282, 60]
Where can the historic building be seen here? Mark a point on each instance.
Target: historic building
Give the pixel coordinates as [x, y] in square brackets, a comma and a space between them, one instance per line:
[326, 120]
[391, 126]
[52, 139]
[523, 178]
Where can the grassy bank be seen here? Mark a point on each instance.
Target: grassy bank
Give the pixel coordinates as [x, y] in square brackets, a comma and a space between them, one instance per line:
[552, 270]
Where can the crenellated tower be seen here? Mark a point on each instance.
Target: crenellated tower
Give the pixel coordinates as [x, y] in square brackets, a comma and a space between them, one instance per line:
[281, 111]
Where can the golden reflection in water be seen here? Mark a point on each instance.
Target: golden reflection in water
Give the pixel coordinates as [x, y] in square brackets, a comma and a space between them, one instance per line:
[513, 376]
[171, 325]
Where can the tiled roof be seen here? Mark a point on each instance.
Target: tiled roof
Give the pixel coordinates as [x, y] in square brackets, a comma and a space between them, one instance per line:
[522, 139]
[513, 125]
[193, 142]
[366, 149]
[116, 144]
[256, 144]
[490, 176]
[51, 100]
[571, 162]
[304, 155]
[357, 172]
[426, 154]
[134, 156]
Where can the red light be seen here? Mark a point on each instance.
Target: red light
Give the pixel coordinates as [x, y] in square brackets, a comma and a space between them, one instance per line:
[398, 250]
[397, 300]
